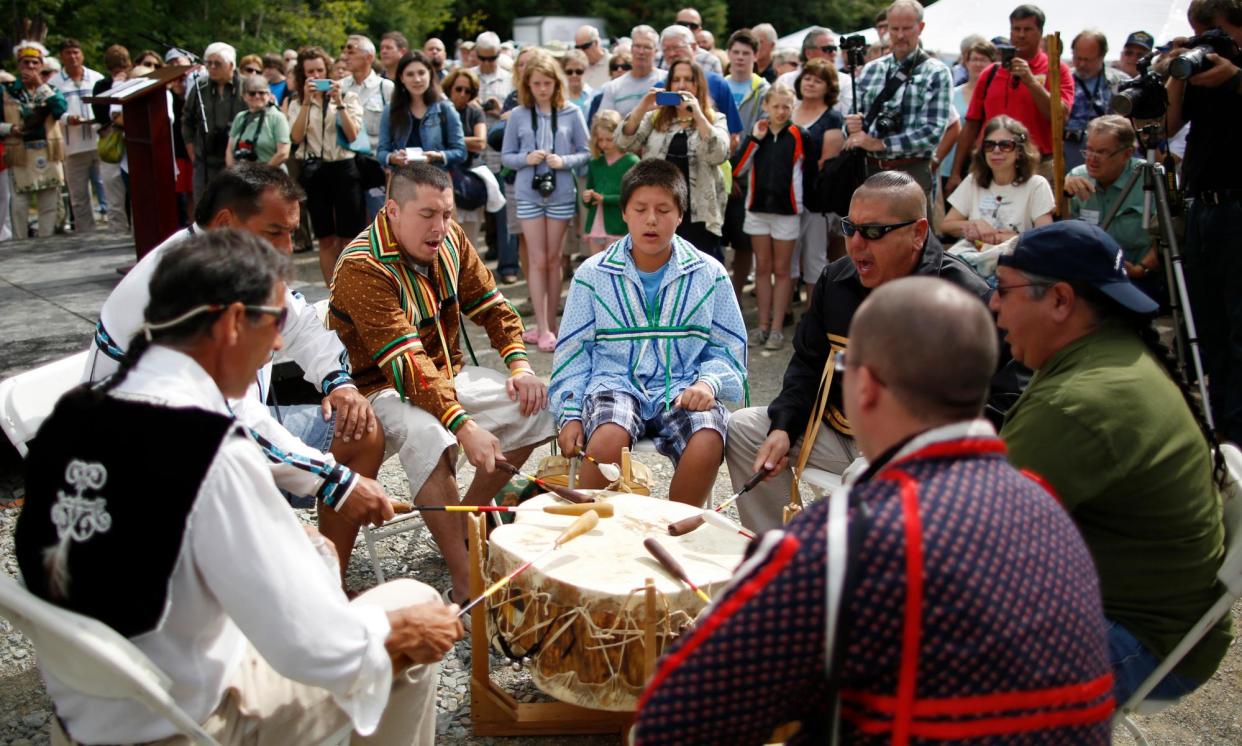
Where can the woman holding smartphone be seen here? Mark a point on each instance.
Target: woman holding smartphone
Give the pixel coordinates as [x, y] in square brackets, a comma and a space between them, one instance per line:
[322, 119]
[680, 125]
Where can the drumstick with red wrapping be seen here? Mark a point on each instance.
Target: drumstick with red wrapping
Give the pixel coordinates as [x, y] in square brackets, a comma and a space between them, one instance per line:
[686, 525]
[673, 566]
[605, 510]
[582, 525]
[568, 493]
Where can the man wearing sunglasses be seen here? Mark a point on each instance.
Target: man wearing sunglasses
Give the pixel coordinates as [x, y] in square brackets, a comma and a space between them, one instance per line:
[586, 39]
[887, 237]
[689, 18]
[318, 453]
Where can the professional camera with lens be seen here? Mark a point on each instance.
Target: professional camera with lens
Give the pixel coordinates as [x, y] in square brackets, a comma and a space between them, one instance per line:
[1195, 61]
[1007, 52]
[855, 48]
[544, 183]
[887, 123]
[245, 151]
[1141, 97]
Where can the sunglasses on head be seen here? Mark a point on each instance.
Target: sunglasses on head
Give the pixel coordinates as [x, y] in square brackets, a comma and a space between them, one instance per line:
[625, 67]
[1004, 146]
[872, 231]
[487, 57]
[690, 25]
[588, 45]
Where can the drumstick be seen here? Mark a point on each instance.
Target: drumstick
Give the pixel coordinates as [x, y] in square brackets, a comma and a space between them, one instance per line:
[582, 525]
[686, 525]
[673, 566]
[720, 521]
[611, 472]
[568, 493]
[605, 510]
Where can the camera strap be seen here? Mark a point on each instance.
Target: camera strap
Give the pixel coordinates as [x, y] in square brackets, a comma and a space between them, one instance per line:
[258, 124]
[534, 129]
[895, 80]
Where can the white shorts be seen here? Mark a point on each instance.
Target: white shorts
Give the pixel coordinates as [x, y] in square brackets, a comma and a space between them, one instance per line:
[779, 227]
[418, 438]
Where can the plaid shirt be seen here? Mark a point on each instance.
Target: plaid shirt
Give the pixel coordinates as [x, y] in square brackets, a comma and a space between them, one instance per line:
[922, 105]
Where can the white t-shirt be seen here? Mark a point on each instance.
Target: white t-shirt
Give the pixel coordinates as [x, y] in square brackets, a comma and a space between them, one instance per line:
[1009, 207]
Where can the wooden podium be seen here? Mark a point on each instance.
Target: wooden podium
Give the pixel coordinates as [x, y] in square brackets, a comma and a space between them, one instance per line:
[149, 144]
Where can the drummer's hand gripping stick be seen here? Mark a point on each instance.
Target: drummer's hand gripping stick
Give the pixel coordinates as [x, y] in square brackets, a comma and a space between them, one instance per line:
[674, 567]
[568, 493]
[686, 525]
[582, 525]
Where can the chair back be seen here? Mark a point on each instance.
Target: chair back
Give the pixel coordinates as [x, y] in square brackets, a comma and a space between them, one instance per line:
[1230, 573]
[27, 398]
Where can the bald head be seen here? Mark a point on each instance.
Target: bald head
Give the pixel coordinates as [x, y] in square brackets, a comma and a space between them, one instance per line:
[897, 188]
[931, 342]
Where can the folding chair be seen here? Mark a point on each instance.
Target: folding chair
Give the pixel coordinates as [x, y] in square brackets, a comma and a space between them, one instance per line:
[27, 398]
[1230, 576]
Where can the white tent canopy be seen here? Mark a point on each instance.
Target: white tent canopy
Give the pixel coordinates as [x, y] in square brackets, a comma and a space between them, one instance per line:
[950, 20]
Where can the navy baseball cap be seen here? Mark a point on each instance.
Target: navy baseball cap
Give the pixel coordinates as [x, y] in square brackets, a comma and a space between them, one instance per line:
[1078, 252]
[1140, 39]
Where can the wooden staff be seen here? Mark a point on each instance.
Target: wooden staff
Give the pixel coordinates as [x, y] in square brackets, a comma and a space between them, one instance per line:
[585, 523]
[673, 566]
[1052, 45]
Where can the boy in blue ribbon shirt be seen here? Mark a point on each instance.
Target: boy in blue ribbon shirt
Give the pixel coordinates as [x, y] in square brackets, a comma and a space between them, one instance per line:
[652, 340]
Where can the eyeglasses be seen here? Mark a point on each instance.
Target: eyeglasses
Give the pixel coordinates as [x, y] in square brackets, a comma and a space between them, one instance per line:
[349, 48]
[1101, 154]
[690, 25]
[575, 72]
[626, 67]
[1004, 146]
[256, 93]
[462, 89]
[280, 312]
[487, 58]
[252, 70]
[215, 63]
[872, 231]
[1001, 290]
[829, 49]
[588, 45]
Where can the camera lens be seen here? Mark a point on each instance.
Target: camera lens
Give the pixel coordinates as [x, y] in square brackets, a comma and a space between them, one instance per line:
[1191, 63]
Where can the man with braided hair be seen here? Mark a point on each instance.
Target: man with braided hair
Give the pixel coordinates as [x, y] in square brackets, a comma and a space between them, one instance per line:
[1107, 423]
[942, 597]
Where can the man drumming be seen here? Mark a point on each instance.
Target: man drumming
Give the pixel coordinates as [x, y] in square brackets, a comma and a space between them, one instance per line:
[205, 569]
[398, 296]
[944, 596]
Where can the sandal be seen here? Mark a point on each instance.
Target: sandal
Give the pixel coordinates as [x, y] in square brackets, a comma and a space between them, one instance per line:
[447, 597]
[531, 335]
[547, 342]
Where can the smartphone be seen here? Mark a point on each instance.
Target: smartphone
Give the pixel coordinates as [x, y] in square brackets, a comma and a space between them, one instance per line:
[323, 84]
[668, 98]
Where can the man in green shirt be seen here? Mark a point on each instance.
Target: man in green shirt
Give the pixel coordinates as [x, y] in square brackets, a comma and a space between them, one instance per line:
[1096, 186]
[1112, 434]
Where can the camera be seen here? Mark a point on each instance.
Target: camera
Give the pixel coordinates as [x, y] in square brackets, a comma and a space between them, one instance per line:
[1195, 61]
[1007, 53]
[855, 48]
[544, 183]
[245, 151]
[887, 124]
[1142, 97]
[668, 98]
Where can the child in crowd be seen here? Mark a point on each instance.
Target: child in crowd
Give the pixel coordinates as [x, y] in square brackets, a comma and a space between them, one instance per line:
[652, 340]
[773, 157]
[602, 194]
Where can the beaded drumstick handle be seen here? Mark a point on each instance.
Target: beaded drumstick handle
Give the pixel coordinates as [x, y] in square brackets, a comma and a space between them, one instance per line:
[568, 493]
[582, 525]
[605, 510]
[673, 566]
[686, 525]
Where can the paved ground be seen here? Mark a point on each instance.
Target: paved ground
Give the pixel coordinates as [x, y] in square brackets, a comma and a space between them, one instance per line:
[50, 292]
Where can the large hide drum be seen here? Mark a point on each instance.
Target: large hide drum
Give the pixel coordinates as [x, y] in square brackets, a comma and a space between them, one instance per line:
[579, 614]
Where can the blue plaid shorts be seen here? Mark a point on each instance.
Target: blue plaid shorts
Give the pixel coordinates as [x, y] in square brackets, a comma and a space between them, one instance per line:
[670, 429]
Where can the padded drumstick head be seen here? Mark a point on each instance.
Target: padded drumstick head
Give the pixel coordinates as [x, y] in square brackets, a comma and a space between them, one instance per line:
[720, 521]
[585, 523]
[667, 560]
[685, 525]
[605, 510]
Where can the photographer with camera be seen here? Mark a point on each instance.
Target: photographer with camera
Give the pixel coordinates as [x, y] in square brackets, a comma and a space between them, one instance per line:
[545, 140]
[1205, 91]
[261, 133]
[1017, 86]
[905, 96]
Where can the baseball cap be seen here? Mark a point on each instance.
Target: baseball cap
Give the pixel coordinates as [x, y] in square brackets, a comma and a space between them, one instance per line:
[1141, 39]
[176, 53]
[1078, 252]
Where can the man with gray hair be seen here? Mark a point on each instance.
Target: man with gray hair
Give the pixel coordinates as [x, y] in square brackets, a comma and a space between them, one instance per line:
[211, 104]
[1094, 86]
[766, 34]
[623, 94]
[373, 93]
[586, 40]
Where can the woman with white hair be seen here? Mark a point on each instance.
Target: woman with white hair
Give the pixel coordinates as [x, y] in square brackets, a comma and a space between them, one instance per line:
[211, 105]
[33, 144]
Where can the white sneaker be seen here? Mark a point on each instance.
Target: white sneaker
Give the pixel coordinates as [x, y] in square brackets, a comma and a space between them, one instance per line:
[775, 341]
[757, 337]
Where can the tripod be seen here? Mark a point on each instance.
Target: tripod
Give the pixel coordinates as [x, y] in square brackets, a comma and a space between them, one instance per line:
[1156, 189]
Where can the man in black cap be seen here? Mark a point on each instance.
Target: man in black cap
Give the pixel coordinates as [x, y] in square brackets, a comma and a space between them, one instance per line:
[1108, 423]
[1137, 44]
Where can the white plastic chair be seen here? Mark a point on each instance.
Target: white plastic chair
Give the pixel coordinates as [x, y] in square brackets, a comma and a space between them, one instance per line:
[92, 658]
[1230, 576]
[824, 483]
[27, 398]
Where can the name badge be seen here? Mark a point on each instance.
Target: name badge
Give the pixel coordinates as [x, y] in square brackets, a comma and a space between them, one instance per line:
[1089, 216]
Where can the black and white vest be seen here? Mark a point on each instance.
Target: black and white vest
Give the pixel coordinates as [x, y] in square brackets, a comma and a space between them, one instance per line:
[110, 485]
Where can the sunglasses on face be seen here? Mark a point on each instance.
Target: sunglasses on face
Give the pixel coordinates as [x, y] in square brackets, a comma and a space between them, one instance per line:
[829, 49]
[256, 93]
[1004, 146]
[690, 25]
[251, 70]
[872, 231]
[575, 72]
[462, 89]
[585, 47]
[487, 58]
[281, 313]
[615, 68]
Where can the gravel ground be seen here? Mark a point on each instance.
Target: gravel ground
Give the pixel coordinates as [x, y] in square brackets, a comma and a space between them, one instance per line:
[1212, 715]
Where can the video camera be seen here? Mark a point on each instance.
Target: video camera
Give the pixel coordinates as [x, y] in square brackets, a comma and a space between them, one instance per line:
[1195, 61]
[855, 48]
[1142, 97]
